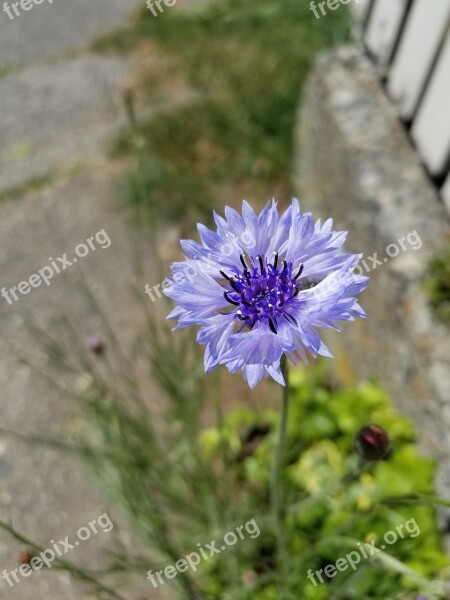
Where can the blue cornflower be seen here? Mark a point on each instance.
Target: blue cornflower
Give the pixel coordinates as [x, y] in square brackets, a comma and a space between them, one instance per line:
[260, 286]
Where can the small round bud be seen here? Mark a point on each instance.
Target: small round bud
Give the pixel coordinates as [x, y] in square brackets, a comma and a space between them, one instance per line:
[249, 579]
[126, 91]
[95, 345]
[372, 443]
[25, 557]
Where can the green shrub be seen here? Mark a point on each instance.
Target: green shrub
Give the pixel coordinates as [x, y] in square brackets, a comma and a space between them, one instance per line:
[437, 284]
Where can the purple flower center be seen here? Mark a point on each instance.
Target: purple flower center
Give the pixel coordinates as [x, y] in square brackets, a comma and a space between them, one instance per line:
[263, 291]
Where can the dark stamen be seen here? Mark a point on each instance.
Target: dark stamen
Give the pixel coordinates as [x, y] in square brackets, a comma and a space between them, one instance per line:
[234, 285]
[262, 290]
[261, 263]
[300, 271]
[228, 299]
[272, 326]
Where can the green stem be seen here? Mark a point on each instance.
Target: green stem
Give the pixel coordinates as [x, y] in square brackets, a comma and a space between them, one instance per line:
[277, 487]
[419, 499]
[276, 473]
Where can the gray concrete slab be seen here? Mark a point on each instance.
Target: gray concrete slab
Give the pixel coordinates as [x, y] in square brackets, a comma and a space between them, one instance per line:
[52, 115]
[49, 30]
[52, 28]
[45, 494]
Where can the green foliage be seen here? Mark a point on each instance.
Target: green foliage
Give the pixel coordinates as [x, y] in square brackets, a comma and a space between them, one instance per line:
[437, 283]
[248, 62]
[334, 502]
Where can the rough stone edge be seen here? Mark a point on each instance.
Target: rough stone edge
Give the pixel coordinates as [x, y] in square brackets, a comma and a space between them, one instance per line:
[354, 162]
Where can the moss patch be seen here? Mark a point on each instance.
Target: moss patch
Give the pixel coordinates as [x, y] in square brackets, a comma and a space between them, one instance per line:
[437, 285]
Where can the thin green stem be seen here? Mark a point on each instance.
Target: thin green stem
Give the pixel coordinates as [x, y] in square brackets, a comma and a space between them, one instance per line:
[276, 473]
[419, 499]
[277, 480]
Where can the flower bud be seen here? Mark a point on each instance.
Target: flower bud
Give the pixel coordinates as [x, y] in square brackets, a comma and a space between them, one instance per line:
[126, 91]
[95, 345]
[372, 443]
[25, 557]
